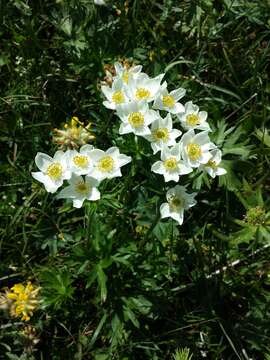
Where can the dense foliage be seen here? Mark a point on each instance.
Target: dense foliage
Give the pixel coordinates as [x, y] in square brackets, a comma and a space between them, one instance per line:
[116, 281]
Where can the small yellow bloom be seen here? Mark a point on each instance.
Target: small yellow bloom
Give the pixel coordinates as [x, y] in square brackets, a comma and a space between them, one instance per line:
[22, 300]
[74, 134]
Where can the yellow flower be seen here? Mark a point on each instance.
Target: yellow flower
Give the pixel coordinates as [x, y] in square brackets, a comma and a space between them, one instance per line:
[74, 134]
[22, 300]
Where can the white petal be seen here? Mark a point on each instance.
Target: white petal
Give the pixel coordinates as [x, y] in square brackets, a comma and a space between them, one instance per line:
[67, 193]
[187, 137]
[77, 203]
[173, 176]
[221, 171]
[50, 186]
[125, 128]
[202, 138]
[75, 179]
[97, 154]
[142, 131]
[210, 171]
[109, 105]
[203, 116]
[158, 167]
[123, 159]
[178, 108]
[91, 181]
[113, 151]
[175, 133]
[216, 155]
[114, 174]
[85, 149]
[118, 68]
[165, 210]
[178, 94]
[179, 217]
[107, 91]
[39, 176]
[94, 195]
[155, 147]
[205, 158]
[60, 156]
[43, 161]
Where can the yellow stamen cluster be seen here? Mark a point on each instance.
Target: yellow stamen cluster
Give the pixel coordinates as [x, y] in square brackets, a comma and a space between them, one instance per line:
[212, 164]
[193, 120]
[171, 163]
[24, 300]
[106, 164]
[194, 151]
[55, 171]
[118, 97]
[125, 77]
[136, 119]
[161, 134]
[168, 101]
[81, 161]
[175, 203]
[142, 93]
[74, 135]
[82, 188]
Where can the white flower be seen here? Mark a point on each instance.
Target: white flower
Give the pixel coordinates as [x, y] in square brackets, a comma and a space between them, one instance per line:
[80, 190]
[80, 163]
[171, 166]
[126, 74]
[169, 101]
[178, 201]
[192, 118]
[211, 167]
[53, 170]
[107, 164]
[135, 117]
[100, 2]
[162, 133]
[115, 95]
[195, 148]
[144, 87]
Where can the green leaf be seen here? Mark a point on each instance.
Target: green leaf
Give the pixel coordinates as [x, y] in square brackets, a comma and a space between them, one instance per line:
[102, 279]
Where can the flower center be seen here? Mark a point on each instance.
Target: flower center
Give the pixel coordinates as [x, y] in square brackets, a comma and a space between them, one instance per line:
[161, 134]
[55, 171]
[136, 119]
[125, 77]
[80, 161]
[194, 151]
[118, 97]
[175, 203]
[82, 187]
[106, 164]
[142, 93]
[168, 101]
[171, 163]
[192, 120]
[212, 164]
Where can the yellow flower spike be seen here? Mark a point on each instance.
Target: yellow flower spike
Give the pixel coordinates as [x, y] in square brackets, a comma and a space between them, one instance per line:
[74, 134]
[17, 288]
[11, 296]
[22, 300]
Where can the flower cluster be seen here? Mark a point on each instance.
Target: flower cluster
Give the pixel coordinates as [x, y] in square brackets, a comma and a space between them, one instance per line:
[74, 134]
[94, 164]
[22, 300]
[148, 109]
